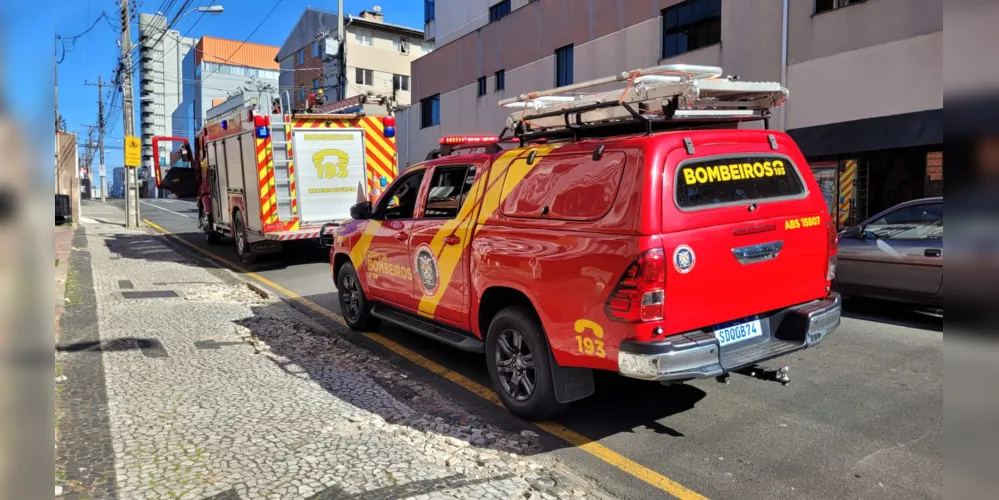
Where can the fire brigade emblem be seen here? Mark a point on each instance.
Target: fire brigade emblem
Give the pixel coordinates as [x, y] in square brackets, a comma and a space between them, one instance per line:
[426, 269]
[683, 259]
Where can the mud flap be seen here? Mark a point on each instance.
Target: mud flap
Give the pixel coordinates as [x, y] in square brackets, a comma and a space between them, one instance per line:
[571, 383]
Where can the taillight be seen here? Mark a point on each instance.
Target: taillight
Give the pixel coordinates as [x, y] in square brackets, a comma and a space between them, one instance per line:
[640, 293]
[832, 247]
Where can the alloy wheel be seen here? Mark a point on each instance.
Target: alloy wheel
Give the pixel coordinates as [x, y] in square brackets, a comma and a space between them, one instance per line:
[350, 297]
[515, 365]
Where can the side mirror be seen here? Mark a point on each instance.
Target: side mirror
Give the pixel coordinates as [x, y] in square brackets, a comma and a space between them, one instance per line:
[361, 211]
[185, 153]
[326, 234]
[855, 233]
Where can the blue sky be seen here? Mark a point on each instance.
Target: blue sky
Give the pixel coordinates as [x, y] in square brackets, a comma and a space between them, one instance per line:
[27, 74]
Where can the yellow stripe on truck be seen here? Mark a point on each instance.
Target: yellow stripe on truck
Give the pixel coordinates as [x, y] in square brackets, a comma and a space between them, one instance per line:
[450, 255]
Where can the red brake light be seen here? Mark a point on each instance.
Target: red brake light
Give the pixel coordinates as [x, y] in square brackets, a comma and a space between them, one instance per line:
[640, 293]
[452, 140]
[261, 120]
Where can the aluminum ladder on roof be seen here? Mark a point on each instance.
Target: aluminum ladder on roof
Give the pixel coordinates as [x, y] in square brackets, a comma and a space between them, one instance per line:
[672, 92]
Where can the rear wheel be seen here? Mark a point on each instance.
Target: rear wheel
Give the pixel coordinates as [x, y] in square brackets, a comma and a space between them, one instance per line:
[519, 364]
[242, 243]
[353, 304]
[212, 237]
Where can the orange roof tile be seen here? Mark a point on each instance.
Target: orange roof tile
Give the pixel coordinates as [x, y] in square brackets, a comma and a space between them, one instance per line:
[220, 50]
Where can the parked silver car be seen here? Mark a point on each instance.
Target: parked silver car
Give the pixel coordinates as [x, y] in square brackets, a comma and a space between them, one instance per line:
[895, 255]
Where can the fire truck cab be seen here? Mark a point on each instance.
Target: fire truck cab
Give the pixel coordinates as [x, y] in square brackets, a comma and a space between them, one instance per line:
[265, 176]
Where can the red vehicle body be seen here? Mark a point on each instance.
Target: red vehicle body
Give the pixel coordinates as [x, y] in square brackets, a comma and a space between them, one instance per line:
[596, 255]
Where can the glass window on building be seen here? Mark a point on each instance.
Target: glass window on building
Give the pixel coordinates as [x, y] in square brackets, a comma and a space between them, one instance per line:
[934, 173]
[563, 66]
[301, 56]
[430, 111]
[400, 82]
[499, 11]
[315, 49]
[501, 79]
[690, 25]
[482, 86]
[429, 13]
[827, 5]
[402, 45]
[364, 37]
[364, 76]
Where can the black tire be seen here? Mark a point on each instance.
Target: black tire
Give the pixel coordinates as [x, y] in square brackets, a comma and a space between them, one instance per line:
[538, 403]
[354, 306]
[212, 237]
[241, 240]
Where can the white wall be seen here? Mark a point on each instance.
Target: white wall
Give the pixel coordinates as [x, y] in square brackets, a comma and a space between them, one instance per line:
[893, 78]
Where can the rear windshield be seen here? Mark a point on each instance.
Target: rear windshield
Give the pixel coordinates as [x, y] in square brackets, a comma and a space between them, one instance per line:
[721, 181]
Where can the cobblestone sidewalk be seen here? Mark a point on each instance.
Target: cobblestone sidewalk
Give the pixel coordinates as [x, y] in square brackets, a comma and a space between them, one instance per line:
[179, 381]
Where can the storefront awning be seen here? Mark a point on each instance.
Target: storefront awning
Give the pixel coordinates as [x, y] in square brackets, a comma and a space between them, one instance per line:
[884, 132]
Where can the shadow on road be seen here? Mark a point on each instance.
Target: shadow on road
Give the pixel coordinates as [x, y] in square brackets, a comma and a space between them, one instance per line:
[892, 313]
[150, 247]
[620, 405]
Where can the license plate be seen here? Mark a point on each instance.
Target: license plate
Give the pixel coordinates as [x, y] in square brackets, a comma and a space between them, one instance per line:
[732, 334]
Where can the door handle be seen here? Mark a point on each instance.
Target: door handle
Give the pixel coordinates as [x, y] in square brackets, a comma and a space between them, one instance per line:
[401, 236]
[452, 240]
[932, 252]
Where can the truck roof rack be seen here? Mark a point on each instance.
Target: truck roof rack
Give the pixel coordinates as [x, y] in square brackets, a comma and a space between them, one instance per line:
[651, 99]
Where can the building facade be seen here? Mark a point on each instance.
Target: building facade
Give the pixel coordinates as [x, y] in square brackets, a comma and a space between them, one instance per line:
[378, 57]
[865, 76]
[217, 69]
[160, 81]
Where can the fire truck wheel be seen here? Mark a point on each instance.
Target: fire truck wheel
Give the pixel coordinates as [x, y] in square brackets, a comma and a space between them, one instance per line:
[212, 237]
[353, 305]
[519, 364]
[242, 244]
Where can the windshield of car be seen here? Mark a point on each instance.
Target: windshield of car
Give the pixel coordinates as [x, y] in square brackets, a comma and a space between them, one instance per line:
[922, 222]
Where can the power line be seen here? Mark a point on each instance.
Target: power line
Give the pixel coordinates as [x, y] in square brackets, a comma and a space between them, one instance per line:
[69, 41]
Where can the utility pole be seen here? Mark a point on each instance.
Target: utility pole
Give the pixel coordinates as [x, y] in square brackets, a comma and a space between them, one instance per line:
[342, 53]
[55, 69]
[100, 136]
[131, 180]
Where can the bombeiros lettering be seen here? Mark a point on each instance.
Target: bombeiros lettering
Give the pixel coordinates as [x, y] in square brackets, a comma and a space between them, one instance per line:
[733, 172]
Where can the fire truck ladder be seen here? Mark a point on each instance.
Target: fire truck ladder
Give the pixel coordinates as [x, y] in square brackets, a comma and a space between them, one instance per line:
[654, 98]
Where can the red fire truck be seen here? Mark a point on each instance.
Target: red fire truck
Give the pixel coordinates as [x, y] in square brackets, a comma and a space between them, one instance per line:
[264, 176]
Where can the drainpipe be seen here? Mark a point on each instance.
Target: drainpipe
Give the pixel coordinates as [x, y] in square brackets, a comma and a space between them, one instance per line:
[783, 62]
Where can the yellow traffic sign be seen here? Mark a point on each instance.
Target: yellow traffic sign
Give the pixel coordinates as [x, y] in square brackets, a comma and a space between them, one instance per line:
[133, 152]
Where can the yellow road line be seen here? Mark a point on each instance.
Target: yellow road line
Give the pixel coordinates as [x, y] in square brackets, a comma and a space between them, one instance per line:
[572, 437]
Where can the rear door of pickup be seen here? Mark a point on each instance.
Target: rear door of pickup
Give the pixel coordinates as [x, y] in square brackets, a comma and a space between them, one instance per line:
[439, 243]
[745, 230]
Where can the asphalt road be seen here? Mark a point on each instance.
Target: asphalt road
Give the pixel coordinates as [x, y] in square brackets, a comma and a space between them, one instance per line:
[861, 418]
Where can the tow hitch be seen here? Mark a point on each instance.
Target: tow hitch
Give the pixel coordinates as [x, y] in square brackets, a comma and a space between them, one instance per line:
[758, 372]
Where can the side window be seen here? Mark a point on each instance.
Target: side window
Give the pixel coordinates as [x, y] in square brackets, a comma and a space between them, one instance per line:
[448, 188]
[400, 201]
[914, 222]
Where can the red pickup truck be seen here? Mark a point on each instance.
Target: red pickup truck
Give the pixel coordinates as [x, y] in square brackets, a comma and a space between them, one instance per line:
[658, 246]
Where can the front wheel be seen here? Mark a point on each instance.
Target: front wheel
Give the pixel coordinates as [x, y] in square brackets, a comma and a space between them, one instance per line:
[212, 237]
[353, 304]
[519, 364]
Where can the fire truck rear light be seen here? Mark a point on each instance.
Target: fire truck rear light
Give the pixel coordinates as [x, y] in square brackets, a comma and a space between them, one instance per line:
[640, 293]
[452, 140]
[261, 121]
[389, 121]
[832, 246]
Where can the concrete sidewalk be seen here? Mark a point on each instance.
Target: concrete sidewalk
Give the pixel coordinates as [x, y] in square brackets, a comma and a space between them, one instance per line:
[183, 382]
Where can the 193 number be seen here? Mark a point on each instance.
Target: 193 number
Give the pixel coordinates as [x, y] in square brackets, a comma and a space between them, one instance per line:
[587, 344]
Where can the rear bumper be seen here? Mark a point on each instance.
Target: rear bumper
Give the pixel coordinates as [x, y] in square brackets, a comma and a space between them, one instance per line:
[698, 354]
[304, 233]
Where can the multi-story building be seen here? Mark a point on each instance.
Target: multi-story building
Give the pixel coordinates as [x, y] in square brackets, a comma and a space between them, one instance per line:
[378, 56]
[217, 69]
[864, 75]
[160, 80]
